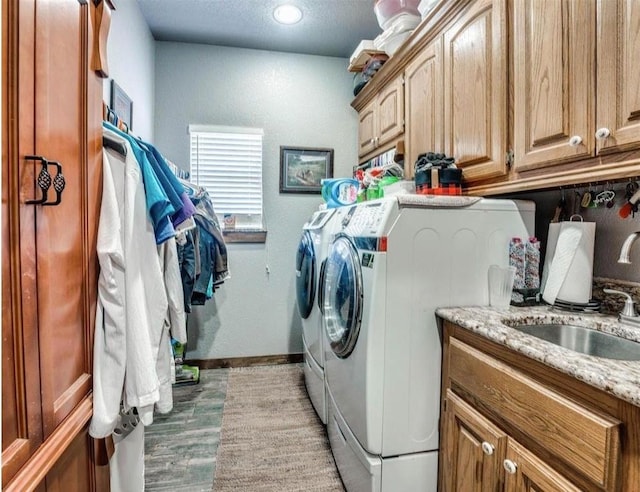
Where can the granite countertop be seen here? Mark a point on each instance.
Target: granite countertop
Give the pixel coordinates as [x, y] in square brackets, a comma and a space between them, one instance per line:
[617, 377]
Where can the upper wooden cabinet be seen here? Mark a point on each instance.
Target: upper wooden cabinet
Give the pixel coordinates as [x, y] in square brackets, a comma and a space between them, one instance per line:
[382, 119]
[576, 80]
[423, 95]
[475, 90]
[554, 96]
[618, 75]
[525, 94]
[367, 129]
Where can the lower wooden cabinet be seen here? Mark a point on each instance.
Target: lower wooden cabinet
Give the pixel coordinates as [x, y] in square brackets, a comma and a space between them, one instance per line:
[509, 423]
[473, 449]
[479, 456]
[524, 471]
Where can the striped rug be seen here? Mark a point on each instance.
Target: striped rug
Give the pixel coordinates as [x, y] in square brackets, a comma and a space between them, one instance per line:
[272, 440]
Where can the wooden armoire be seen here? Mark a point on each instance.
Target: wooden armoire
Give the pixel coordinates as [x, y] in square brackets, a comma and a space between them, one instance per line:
[51, 140]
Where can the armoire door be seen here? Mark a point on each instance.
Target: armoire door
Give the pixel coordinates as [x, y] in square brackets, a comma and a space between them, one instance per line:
[51, 122]
[61, 230]
[21, 410]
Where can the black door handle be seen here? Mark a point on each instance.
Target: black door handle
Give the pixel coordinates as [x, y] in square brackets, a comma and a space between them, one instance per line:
[43, 180]
[58, 184]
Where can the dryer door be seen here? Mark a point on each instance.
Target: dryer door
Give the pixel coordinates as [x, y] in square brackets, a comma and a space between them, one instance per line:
[342, 296]
[305, 275]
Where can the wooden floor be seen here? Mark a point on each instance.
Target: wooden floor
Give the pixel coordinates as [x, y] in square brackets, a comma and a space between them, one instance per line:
[181, 447]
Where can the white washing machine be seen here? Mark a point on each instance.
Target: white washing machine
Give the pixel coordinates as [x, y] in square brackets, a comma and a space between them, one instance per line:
[312, 251]
[392, 263]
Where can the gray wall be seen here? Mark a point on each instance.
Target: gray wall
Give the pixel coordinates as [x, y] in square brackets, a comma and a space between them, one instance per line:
[131, 58]
[299, 100]
[611, 230]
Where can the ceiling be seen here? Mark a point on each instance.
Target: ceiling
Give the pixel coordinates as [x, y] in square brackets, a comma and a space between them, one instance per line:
[328, 27]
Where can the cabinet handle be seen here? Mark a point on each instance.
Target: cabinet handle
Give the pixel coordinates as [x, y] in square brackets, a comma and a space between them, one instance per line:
[603, 133]
[372, 141]
[487, 448]
[575, 140]
[58, 184]
[509, 466]
[43, 180]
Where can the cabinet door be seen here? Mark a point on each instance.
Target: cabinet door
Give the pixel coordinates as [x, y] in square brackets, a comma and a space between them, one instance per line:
[472, 449]
[475, 90]
[390, 112]
[423, 105]
[527, 473]
[367, 129]
[61, 231]
[618, 74]
[77, 469]
[554, 55]
[21, 412]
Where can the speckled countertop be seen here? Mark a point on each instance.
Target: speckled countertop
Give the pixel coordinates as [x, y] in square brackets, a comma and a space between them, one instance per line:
[619, 378]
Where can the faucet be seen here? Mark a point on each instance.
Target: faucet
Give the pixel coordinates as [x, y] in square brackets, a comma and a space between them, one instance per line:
[626, 247]
[628, 313]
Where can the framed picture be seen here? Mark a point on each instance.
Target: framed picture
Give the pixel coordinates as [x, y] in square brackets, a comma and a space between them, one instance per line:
[302, 169]
[121, 104]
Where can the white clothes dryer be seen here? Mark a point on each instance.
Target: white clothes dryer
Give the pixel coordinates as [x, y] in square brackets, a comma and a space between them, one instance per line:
[391, 264]
[312, 251]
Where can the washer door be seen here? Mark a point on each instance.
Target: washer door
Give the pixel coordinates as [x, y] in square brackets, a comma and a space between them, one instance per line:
[305, 275]
[342, 297]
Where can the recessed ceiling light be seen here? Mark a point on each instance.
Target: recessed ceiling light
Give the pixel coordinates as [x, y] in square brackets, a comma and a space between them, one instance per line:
[287, 14]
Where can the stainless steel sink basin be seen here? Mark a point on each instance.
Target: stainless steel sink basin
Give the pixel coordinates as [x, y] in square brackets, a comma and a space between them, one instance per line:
[585, 340]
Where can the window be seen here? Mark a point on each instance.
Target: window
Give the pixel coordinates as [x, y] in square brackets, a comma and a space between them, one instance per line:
[227, 162]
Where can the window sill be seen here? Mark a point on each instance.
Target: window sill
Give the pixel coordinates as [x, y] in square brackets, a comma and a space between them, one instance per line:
[244, 236]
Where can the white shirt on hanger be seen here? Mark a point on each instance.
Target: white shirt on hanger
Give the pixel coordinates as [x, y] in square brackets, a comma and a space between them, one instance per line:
[131, 334]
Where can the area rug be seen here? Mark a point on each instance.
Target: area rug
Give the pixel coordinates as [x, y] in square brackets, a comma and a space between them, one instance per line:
[272, 440]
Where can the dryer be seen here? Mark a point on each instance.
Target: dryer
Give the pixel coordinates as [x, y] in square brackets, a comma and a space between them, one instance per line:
[311, 253]
[392, 263]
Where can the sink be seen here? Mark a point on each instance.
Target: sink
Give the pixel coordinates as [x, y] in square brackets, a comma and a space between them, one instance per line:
[584, 340]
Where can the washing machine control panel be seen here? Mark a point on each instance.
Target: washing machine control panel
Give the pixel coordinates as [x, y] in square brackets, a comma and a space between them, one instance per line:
[319, 219]
[366, 219]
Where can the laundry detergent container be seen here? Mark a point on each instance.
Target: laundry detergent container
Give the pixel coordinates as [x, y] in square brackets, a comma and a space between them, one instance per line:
[386, 10]
[340, 191]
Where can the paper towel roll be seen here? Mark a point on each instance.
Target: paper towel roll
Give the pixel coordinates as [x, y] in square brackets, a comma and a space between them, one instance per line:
[568, 266]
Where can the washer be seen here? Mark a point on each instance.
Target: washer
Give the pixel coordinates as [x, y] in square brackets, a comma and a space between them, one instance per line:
[312, 251]
[392, 263]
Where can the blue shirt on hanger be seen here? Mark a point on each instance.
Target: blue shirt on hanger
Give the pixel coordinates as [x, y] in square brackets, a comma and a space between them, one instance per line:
[184, 207]
[158, 204]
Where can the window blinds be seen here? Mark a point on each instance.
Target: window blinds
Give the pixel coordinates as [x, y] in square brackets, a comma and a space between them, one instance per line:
[227, 161]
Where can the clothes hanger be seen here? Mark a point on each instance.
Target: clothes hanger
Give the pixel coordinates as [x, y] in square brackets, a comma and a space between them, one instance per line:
[110, 143]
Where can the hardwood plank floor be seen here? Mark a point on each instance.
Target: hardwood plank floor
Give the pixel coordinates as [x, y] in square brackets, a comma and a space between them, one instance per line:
[181, 447]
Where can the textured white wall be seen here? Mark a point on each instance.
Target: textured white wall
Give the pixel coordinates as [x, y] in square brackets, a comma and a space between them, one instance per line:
[299, 100]
[131, 58]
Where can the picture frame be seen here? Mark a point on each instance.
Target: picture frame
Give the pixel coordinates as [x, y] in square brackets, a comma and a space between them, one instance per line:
[121, 104]
[302, 169]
